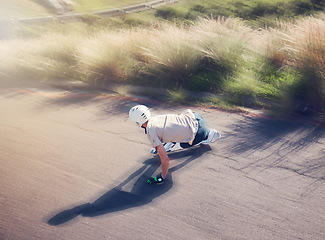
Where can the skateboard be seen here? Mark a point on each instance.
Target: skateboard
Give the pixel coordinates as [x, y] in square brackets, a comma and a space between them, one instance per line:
[177, 147]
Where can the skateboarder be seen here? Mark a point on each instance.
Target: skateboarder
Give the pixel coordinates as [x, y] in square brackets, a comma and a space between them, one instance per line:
[164, 131]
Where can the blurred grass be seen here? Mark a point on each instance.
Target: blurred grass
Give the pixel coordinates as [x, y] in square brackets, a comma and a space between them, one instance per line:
[34, 8]
[95, 5]
[21, 8]
[259, 13]
[227, 55]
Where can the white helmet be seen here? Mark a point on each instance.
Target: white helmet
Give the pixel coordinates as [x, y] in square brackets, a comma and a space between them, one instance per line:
[139, 114]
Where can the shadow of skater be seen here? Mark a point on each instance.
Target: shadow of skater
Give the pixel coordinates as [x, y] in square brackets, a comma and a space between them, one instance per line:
[140, 194]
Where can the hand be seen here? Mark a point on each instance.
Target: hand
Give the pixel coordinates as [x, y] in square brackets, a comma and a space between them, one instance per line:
[155, 180]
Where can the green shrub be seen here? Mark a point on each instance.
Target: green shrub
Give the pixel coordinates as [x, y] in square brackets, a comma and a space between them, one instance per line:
[301, 7]
[178, 97]
[205, 80]
[169, 13]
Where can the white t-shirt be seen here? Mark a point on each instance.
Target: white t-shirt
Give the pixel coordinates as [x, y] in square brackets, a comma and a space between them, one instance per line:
[172, 128]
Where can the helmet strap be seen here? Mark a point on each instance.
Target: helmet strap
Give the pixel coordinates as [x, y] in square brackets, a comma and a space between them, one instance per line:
[145, 129]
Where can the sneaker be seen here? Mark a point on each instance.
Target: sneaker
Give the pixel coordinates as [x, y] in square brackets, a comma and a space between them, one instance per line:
[153, 151]
[213, 136]
[168, 147]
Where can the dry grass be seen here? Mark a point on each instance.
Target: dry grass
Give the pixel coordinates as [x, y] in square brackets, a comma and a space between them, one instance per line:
[226, 42]
[303, 48]
[104, 57]
[172, 54]
[50, 56]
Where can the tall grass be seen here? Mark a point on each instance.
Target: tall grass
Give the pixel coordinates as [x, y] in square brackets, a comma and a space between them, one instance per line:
[226, 44]
[305, 51]
[51, 56]
[105, 58]
[294, 59]
[225, 55]
[18, 59]
[173, 54]
[223, 41]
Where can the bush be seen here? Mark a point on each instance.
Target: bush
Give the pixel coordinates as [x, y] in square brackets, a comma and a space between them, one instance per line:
[305, 48]
[301, 7]
[206, 80]
[178, 97]
[169, 13]
[173, 55]
[224, 44]
[104, 58]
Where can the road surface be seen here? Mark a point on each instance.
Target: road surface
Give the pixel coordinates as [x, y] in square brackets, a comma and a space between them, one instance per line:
[72, 166]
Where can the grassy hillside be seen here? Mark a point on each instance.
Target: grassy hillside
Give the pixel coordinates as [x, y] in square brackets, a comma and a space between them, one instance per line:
[21, 8]
[259, 13]
[228, 56]
[94, 5]
[33, 8]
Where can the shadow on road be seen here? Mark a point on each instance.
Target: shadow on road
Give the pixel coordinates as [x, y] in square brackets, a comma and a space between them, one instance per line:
[294, 146]
[141, 193]
[265, 133]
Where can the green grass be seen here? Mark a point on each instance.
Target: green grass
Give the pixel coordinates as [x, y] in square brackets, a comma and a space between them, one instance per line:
[221, 103]
[34, 8]
[259, 13]
[179, 97]
[22, 8]
[95, 5]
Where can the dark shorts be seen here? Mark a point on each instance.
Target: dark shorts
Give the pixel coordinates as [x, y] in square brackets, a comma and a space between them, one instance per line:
[202, 132]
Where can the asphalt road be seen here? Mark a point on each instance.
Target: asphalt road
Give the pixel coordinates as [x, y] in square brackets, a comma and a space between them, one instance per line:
[72, 166]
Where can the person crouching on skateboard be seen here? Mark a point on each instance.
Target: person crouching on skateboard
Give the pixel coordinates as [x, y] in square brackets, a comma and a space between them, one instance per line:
[164, 131]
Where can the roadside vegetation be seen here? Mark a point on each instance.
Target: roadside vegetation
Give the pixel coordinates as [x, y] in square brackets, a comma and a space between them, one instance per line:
[95, 5]
[256, 54]
[21, 8]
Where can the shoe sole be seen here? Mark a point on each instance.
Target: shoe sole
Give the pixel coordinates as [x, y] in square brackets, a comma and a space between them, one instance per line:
[215, 137]
[170, 148]
[154, 151]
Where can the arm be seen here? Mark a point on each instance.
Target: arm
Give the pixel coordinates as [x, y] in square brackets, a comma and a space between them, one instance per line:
[164, 160]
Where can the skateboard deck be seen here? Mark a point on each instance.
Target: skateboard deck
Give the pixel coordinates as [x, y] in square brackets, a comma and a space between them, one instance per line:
[177, 146]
